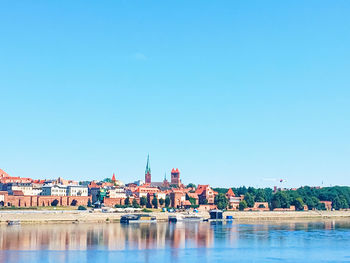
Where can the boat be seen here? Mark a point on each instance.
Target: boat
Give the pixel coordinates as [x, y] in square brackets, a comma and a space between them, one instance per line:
[184, 218]
[13, 223]
[138, 218]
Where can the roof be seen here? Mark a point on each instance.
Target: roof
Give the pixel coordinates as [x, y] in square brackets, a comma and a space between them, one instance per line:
[193, 195]
[93, 185]
[18, 192]
[3, 173]
[175, 170]
[230, 192]
[186, 202]
[201, 188]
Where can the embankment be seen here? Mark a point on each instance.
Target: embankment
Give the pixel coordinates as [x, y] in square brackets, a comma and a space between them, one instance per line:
[69, 216]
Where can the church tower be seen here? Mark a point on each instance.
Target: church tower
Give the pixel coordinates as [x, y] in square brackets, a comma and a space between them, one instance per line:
[148, 172]
[175, 177]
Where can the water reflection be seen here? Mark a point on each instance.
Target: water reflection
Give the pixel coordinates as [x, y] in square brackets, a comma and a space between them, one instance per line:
[159, 236]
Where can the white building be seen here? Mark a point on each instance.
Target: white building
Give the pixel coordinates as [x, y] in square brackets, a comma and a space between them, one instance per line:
[77, 190]
[64, 190]
[26, 188]
[116, 193]
[54, 190]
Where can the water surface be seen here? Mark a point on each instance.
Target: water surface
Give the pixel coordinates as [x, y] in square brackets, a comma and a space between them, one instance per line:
[303, 241]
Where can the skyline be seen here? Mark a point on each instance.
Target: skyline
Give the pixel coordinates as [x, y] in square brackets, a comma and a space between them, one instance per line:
[231, 94]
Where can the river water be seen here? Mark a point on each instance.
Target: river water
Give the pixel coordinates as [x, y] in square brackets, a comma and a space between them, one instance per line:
[298, 241]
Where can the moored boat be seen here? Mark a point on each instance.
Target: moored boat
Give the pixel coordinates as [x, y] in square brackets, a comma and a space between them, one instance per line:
[137, 218]
[13, 223]
[184, 218]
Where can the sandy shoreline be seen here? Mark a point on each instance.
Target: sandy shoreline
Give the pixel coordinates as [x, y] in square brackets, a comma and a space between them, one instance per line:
[69, 216]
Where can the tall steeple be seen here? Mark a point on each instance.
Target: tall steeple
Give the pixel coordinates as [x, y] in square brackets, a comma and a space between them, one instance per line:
[148, 172]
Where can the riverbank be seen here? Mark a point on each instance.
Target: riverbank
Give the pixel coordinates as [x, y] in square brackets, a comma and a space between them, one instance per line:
[75, 216]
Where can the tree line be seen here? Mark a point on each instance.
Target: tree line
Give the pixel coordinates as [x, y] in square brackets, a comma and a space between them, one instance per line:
[310, 196]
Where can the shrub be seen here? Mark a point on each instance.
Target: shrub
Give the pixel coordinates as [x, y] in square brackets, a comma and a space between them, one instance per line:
[81, 207]
[54, 202]
[242, 205]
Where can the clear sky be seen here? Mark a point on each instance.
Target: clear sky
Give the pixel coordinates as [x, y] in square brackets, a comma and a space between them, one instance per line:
[230, 92]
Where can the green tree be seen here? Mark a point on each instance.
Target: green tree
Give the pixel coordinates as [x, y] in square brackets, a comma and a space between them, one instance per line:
[312, 202]
[107, 180]
[242, 205]
[167, 201]
[298, 203]
[192, 200]
[221, 201]
[203, 201]
[127, 201]
[249, 199]
[191, 185]
[143, 201]
[260, 196]
[280, 200]
[155, 202]
[161, 201]
[135, 204]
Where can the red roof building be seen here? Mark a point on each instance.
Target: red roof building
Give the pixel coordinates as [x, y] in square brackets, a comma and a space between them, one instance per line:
[205, 192]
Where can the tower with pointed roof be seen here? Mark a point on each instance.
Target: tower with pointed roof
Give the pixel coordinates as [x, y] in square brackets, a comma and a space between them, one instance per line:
[148, 172]
[175, 177]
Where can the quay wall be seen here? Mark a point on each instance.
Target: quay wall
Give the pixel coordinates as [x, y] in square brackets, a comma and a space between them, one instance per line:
[69, 216]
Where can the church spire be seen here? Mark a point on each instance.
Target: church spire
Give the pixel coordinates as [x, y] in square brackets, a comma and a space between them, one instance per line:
[148, 166]
[148, 172]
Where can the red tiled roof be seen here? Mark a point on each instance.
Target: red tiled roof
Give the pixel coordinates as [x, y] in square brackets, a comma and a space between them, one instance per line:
[93, 185]
[186, 202]
[193, 195]
[230, 192]
[18, 192]
[3, 173]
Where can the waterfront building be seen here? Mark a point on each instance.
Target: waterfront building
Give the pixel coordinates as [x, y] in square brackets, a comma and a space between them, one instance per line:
[177, 198]
[233, 200]
[205, 192]
[77, 190]
[116, 193]
[54, 190]
[64, 190]
[25, 188]
[144, 191]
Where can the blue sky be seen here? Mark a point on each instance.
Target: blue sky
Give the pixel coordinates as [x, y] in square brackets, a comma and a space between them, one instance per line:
[230, 92]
